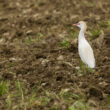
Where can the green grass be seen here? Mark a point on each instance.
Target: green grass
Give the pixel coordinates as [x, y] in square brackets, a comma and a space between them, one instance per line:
[21, 98]
[105, 24]
[10, 64]
[73, 32]
[75, 101]
[78, 105]
[20, 90]
[44, 100]
[65, 44]
[95, 33]
[31, 39]
[84, 68]
[40, 36]
[4, 91]
[4, 88]
[9, 101]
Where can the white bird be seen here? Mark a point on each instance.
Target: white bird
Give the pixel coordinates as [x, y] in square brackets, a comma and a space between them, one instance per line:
[84, 48]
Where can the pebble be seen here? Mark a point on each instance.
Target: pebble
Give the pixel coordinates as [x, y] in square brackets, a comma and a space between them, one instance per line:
[60, 57]
[44, 62]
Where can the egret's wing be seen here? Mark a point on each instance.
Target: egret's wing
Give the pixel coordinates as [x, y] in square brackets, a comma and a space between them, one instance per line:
[86, 54]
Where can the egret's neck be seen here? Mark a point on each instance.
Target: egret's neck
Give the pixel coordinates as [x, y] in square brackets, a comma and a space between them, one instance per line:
[81, 35]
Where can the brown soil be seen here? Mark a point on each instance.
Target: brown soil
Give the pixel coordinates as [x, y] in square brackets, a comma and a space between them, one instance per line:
[42, 61]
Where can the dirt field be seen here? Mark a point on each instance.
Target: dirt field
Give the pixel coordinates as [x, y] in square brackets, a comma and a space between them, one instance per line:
[38, 49]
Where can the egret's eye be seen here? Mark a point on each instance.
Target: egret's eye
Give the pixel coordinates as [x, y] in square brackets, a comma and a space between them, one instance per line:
[78, 23]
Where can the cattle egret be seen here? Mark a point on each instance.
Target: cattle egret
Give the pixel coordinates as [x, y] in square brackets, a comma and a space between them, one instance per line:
[84, 48]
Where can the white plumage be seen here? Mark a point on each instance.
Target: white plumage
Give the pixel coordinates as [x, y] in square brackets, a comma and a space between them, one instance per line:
[84, 48]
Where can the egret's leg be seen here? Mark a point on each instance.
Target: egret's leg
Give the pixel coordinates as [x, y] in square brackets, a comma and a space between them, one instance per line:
[84, 69]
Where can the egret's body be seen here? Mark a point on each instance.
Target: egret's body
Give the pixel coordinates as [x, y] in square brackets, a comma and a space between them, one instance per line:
[84, 48]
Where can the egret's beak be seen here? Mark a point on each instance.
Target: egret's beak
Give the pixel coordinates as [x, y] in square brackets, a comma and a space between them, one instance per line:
[75, 24]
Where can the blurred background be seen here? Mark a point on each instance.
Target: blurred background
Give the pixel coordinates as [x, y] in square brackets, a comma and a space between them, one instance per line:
[40, 68]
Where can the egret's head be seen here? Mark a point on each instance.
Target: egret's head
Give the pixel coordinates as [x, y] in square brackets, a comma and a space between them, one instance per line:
[82, 25]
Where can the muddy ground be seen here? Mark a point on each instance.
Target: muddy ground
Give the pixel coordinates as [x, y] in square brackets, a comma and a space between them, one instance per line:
[32, 48]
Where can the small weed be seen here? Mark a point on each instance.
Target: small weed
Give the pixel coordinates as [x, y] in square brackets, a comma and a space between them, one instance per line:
[85, 68]
[65, 44]
[66, 95]
[55, 108]
[71, 97]
[78, 100]
[44, 100]
[40, 36]
[10, 64]
[32, 99]
[47, 93]
[72, 108]
[19, 87]
[74, 34]
[3, 88]
[82, 64]
[105, 24]
[95, 33]
[30, 41]
[78, 105]
[9, 102]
